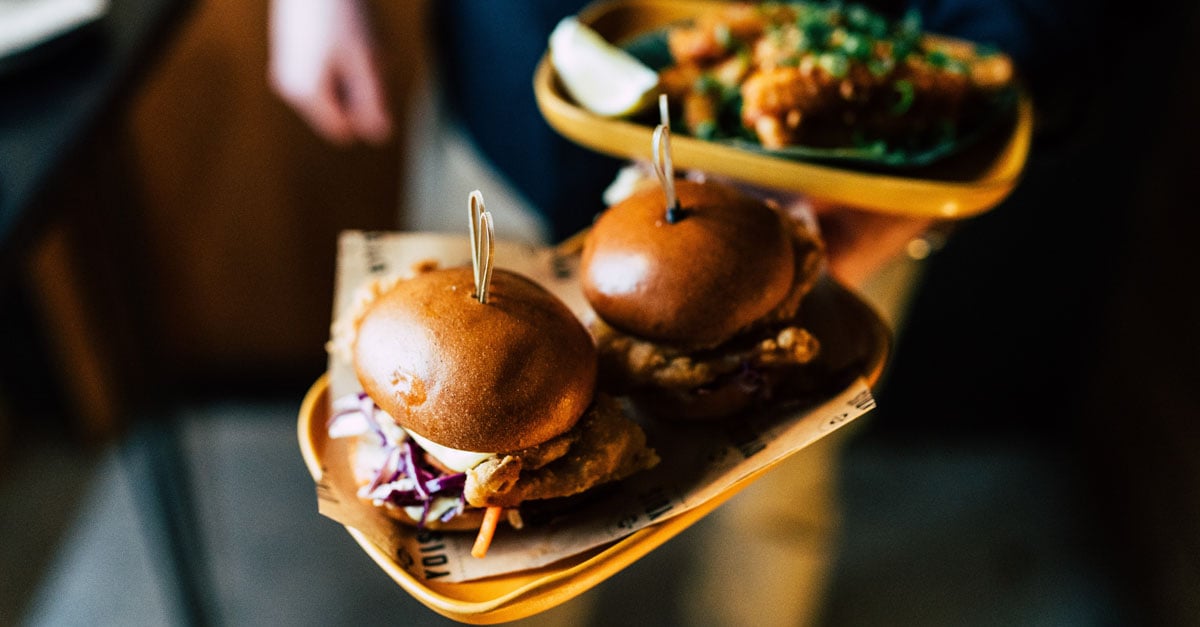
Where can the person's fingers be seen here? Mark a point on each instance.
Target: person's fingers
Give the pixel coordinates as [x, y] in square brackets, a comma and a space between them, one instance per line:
[320, 64]
[365, 100]
[327, 114]
[314, 95]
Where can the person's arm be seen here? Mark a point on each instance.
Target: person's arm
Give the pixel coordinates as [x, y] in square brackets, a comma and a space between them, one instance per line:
[860, 243]
[1049, 44]
[322, 63]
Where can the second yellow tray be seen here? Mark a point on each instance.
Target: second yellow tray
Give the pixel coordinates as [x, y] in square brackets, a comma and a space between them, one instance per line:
[965, 184]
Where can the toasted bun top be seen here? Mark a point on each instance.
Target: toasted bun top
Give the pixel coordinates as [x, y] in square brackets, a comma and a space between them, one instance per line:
[494, 377]
[696, 282]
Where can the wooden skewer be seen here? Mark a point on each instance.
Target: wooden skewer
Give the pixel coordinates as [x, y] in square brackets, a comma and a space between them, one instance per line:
[663, 165]
[482, 232]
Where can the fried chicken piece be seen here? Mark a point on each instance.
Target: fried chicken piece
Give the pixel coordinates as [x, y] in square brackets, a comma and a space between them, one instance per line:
[643, 362]
[829, 77]
[715, 34]
[604, 446]
[777, 102]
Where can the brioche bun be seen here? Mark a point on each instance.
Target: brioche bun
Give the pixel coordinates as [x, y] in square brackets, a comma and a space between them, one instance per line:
[697, 282]
[489, 377]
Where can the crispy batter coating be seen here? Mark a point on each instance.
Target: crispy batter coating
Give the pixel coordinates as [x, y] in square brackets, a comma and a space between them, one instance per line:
[807, 74]
[715, 34]
[645, 363]
[604, 446]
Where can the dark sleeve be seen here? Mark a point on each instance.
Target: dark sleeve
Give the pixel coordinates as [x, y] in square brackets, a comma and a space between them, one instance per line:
[486, 55]
[487, 52]
[1056, 47]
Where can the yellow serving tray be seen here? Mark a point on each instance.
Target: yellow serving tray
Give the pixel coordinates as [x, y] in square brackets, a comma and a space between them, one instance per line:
[962, 185]
[864, 352]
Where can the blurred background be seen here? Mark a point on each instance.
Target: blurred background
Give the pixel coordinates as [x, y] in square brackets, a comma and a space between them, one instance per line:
[169, 232]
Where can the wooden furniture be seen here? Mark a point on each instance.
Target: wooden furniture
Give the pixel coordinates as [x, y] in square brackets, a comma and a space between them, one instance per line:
[177, 231]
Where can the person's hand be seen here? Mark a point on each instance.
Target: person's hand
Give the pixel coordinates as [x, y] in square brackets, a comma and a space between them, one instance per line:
[858, 243]
[322, 63]
[861, 243]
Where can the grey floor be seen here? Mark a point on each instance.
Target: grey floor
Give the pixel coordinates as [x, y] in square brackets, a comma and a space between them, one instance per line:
[932, 535]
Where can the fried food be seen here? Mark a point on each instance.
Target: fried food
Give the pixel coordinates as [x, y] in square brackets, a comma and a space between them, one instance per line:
[801, 73]
[700, 318]
[469, 405]
[603, 446]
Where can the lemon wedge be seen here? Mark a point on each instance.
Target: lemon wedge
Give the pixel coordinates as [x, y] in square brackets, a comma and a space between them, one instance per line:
[601, 77]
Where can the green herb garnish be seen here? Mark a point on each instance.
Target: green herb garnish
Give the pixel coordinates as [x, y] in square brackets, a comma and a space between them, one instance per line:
[836, 64]
[856, 46]
[906, 92]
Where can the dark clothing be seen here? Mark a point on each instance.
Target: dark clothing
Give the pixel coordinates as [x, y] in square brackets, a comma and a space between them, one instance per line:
[487, 52]
[1032, 324]
[1001, 316]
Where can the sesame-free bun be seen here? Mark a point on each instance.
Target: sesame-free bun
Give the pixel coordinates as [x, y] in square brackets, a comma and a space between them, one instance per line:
[698, 282]
[489, 377]
[714, 403]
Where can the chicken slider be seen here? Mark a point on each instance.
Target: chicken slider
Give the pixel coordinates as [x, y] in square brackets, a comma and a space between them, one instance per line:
[477, 401]
[697, 300]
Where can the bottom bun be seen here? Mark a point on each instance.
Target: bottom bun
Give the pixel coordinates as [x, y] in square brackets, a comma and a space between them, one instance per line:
[469, 520]
[700, 404]
[733, 395]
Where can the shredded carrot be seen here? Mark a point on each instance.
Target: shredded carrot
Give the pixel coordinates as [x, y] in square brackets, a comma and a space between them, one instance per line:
[491, 518]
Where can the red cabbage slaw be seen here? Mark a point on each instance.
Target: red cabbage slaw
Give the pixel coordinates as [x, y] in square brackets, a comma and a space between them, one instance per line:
[404, 479]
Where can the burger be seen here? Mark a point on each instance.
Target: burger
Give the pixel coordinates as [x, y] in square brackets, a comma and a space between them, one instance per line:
[697, 309]
[471, 408]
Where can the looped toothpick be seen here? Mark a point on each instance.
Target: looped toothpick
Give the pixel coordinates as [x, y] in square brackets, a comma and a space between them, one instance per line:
[482, 236]
[663, 166]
